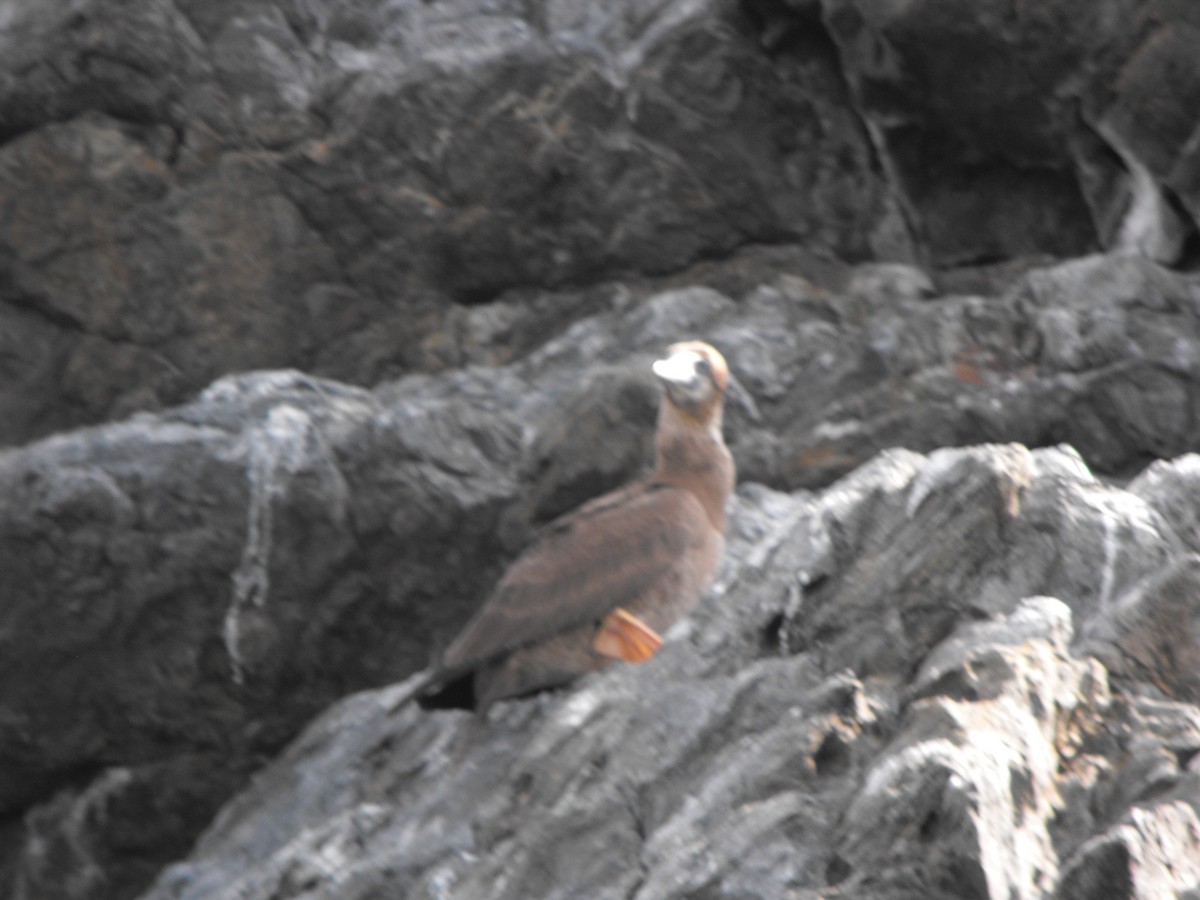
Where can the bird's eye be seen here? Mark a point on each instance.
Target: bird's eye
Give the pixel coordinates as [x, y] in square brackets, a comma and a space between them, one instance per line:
[703, 366]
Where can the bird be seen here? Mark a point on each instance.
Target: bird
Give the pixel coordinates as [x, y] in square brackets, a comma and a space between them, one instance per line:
[602, 583]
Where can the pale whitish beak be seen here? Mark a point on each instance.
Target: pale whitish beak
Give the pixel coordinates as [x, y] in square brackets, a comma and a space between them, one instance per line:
[741, 399]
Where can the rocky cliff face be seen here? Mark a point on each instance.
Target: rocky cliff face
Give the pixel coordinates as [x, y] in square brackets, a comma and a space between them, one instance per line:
[953, 649]
[878, 701]
[192, 187]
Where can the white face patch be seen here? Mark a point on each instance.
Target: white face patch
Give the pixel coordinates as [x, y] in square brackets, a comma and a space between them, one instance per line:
[687, 377]
[679, 368]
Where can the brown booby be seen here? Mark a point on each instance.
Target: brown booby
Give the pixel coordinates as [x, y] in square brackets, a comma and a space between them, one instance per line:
[603, 582]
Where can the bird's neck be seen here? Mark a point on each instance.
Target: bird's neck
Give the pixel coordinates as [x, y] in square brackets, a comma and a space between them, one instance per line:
[692, 455]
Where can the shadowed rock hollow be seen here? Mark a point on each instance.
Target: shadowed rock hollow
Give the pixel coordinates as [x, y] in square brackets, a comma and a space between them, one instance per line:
[355, 296]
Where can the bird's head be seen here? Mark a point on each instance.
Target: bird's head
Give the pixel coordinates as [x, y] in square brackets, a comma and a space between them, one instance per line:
[697, 380]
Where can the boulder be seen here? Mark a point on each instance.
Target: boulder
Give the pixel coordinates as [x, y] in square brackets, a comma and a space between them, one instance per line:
[186, 589]
[768, 750]
[311, 314]
[1025, 129]
[190, 189]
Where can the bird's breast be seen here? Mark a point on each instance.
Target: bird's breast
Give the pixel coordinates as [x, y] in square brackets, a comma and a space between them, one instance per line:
[677, 593]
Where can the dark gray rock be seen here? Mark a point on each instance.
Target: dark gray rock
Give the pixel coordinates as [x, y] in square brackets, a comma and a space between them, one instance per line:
[213, 576]
[1026, 129]
[181, 592]
[1099, 352]
[912, 228]
[992, 761]
[189, 189]
[1168, 486]
[257, 184]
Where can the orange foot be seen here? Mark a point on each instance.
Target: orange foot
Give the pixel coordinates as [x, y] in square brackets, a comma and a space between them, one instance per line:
[623, 635]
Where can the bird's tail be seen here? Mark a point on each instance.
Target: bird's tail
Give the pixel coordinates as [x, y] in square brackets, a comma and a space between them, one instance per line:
[400, 695]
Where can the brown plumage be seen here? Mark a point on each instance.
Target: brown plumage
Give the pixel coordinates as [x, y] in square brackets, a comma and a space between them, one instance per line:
[604, 581]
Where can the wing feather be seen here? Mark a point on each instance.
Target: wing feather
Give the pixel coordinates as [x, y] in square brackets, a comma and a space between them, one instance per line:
[611, 552]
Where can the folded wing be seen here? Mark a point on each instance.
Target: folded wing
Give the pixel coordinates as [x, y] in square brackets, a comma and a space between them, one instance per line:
[614, 552]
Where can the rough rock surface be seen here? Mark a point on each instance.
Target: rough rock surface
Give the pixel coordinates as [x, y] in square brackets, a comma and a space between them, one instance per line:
[195, 187]
[1068, 110]
[881, 698]
[259, 183]
[185, 589]
[360, 293]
